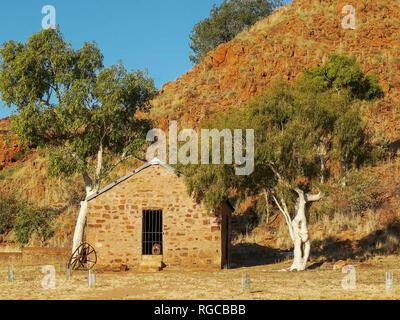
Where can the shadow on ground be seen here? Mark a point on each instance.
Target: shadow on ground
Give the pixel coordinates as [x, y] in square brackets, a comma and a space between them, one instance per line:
[252, 255]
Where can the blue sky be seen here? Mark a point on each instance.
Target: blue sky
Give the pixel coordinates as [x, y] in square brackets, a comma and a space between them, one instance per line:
[150, 34]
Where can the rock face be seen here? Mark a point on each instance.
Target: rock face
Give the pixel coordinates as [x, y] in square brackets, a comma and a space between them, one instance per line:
[296, 37]
[8, 144]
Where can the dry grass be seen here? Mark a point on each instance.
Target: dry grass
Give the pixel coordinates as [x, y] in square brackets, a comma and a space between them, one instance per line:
[359, 225]
[266, 283]
[340, 226]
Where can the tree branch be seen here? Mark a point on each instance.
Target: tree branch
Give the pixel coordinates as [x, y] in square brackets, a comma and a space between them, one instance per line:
[314, 197]
[278, 175]
[286, 214]
[88, 181]
[301, 194]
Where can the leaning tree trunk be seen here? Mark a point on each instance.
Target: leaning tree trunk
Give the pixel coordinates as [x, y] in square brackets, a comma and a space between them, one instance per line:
[80, 226]
[81, 222]
[91, 189]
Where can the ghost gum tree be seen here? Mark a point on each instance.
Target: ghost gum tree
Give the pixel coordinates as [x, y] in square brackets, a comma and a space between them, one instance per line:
[302, 132]
[84, 114]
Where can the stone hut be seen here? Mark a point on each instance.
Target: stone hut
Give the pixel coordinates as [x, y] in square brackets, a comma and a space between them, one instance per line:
[147, 220]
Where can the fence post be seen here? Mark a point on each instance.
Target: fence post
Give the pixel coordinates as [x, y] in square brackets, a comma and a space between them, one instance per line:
[94, 278]
[245, 282]
[68, 272]
[91, 279]
[11, 274]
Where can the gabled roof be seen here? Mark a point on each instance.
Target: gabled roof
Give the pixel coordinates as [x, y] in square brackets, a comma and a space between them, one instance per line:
[154, 162]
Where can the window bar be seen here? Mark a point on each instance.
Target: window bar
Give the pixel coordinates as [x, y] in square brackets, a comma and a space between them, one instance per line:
[159, 229]
[155, 226]
[147, 233]
[149, 226]
[143, 233]
[152, 232]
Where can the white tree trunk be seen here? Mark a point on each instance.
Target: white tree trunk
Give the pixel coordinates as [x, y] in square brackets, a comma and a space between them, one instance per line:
[301, 239]
[81, 220]
[80, 226]
[298, 229]
[90, 190]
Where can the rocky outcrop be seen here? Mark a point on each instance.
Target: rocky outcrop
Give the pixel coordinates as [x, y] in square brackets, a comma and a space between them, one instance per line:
[294, 38]
[8, 144]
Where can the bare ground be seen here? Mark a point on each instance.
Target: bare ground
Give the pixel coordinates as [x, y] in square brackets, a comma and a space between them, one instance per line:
[318, 282]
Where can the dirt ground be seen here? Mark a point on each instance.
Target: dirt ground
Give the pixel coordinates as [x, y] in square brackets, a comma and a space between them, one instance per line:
[267, 282]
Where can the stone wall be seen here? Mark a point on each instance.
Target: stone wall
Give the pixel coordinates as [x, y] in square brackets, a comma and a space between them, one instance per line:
[46, 256]
[36, 257]
[9, 258]
[192, 238]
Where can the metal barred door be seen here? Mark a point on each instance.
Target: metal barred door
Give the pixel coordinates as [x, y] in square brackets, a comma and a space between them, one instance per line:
[152, 236]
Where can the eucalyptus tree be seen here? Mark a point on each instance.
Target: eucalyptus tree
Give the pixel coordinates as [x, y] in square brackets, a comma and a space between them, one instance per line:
[68, 102]
[299, 129]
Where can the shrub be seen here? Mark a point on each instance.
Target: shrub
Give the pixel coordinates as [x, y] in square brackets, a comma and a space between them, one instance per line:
[358, 193]
[31, 221]
[8, 211]
[341, 74]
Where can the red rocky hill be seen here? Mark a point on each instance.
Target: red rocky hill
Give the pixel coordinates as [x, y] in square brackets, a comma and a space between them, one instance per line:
[296, 37]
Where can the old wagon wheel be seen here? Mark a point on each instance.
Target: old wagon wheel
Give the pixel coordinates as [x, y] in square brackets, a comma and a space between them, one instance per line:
[84, 257]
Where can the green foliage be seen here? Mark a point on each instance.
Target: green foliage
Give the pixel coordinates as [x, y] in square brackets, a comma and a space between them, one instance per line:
[69, 103]
[339, 82]
[355, 197]
[327, 206]
[31, 221]
[297, 129]
[8, 212]
[358, 193]
[350, 137]
[8, 140]
[225, 22]
[342, 74]
[25, 219]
